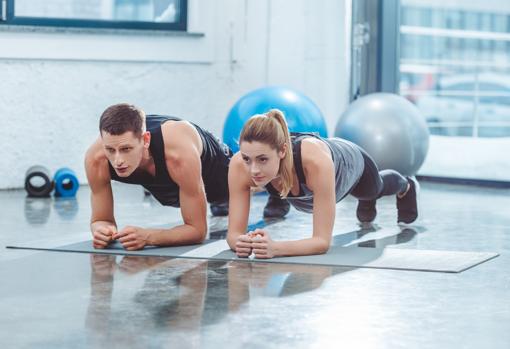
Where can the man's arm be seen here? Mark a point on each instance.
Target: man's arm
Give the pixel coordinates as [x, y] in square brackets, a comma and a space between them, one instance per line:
[102, 221]
[183, 148]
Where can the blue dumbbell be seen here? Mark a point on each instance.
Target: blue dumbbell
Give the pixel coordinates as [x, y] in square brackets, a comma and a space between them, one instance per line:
[66, 182]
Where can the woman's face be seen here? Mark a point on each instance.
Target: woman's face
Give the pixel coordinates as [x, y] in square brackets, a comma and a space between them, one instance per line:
[262, 161]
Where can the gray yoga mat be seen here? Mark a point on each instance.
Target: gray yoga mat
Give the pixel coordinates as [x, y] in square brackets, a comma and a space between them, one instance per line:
[351, 256]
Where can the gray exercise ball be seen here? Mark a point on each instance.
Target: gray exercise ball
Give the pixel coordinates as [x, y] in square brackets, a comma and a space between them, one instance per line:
[389, 128]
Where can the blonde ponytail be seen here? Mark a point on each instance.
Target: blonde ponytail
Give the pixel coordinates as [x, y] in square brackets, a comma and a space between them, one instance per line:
[287, 163]
[271, 128]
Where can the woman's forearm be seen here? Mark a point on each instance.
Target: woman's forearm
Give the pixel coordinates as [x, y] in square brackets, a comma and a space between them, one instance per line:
[184, 234]
[304, 247]
[231, 240]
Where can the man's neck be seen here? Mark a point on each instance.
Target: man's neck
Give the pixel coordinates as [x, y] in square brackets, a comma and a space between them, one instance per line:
[147, 165]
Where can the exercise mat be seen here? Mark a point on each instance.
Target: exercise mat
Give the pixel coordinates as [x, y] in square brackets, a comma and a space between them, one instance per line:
[350, 256]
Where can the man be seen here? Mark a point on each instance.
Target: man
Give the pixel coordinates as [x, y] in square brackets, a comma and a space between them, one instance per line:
[181, 164]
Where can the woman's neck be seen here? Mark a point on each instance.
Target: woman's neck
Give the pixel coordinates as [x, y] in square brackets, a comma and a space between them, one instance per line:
[294, 190]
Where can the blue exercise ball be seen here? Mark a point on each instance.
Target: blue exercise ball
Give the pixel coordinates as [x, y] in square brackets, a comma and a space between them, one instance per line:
[389, 128]
[301, 112]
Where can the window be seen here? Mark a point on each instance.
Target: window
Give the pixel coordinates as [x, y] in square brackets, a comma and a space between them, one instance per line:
[453, 63]
[455, 66]
[122, 14]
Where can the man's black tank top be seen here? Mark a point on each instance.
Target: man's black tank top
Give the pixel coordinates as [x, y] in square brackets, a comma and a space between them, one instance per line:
[215, 159]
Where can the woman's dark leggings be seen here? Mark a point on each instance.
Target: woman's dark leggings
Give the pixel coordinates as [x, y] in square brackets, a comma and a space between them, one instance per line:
[374, 183]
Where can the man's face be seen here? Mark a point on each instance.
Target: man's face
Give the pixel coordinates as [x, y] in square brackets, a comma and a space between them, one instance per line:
[125, 151]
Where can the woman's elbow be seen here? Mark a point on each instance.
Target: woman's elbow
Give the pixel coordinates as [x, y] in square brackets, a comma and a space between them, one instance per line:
[200, 234]
[231, 240]
[323, 246]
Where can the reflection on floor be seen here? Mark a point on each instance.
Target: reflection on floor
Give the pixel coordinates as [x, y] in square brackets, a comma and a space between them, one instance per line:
[62, 300]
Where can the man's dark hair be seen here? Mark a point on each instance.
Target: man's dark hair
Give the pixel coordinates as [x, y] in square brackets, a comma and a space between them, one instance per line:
[121, 118]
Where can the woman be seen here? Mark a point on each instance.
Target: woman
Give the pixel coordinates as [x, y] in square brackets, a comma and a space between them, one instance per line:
[313, 174]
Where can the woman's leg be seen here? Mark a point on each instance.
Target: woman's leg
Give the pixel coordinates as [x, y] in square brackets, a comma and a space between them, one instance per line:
[276, 207]
[373, 184]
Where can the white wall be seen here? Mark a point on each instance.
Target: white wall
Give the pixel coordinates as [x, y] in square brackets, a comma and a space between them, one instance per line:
[54, 84]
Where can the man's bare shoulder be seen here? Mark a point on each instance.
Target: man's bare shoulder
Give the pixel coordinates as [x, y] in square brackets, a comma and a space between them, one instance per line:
[180, 136]
[96, 162]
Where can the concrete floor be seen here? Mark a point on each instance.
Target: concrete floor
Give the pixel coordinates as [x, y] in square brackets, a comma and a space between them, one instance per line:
[64, 300]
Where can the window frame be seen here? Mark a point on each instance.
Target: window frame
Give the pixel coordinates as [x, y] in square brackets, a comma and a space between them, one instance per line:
[376, 34]
[7, 17]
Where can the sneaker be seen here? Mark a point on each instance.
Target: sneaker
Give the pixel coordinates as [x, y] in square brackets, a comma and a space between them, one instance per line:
[219, 209]
[276, 207]
[407, 205]
[366, 211]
